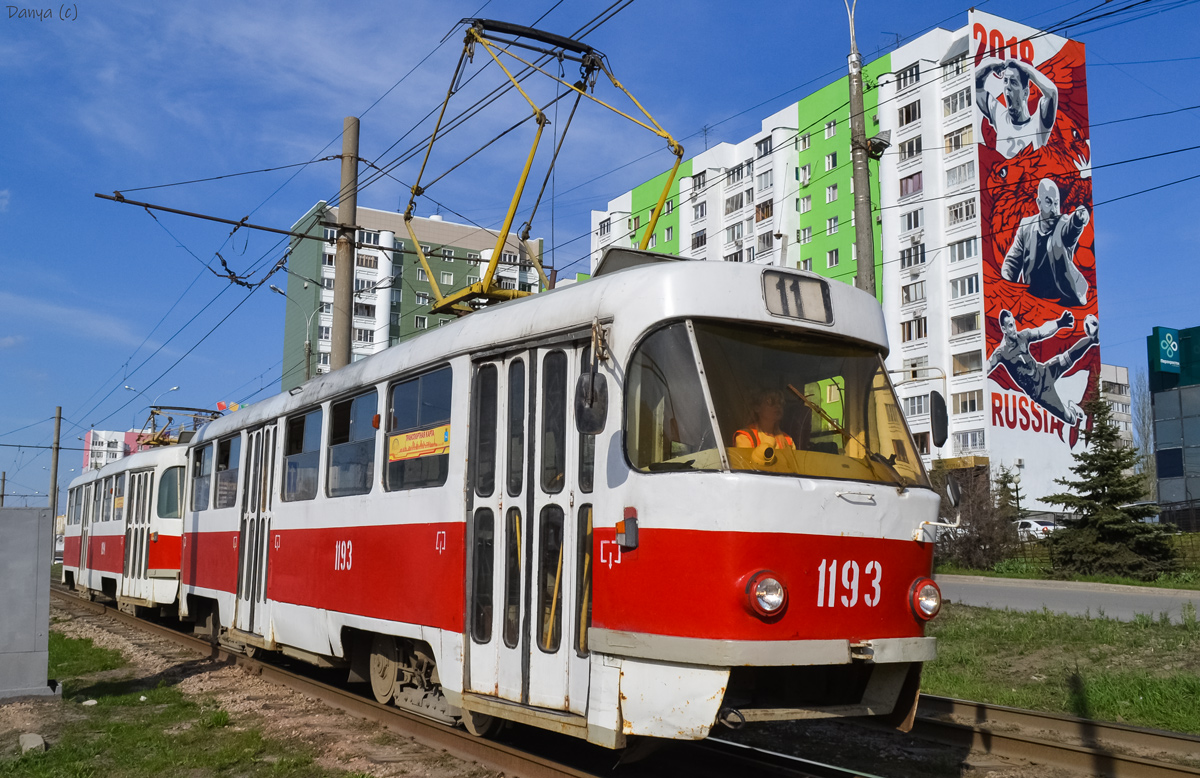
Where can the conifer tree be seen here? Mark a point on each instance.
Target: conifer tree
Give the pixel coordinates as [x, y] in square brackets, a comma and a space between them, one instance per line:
[1106, 534]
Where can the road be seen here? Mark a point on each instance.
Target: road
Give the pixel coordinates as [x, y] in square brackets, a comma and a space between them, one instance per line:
[1117, 602]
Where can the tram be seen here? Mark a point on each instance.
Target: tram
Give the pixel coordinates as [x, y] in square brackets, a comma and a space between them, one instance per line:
[544, 512]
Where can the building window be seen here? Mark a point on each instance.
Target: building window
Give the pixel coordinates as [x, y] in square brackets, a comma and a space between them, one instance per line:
[912, 220]
[669, 206]
[958, 139]
[764, 210]
[955, 68]
[605, 229]
[831, 160]
[965, 442]
[805, 264]
[323, 359]
[330, 233]
[831, 225]
[916, 366]
[323, 332]
[698, 180]
[364, 285]
[914, 329]
[509, 257]
[911, 185]
[964, 249]
[733, 233]
[327, 283]
[763, 147]
[421, 275]
[734, 257]
[448, 254]
[962, 174]
[831, 258]
[967, 402]
[733, 204]
[363, 335]
[397, 296]
[473, 256]
[961, 287]
[634, 223]
[911, 293]
[699, 211]
[960, 213]
[446, 278]
[699, 238]
[804, 174]
[365, 310]
[420, 322]
[472, 280]
[967, 322]
[916, 406]
[735, 174]
[959, 101]
[804, 142]
[806, 234]
[766, 242]
[912, 256]
[830, 129]
[653, 240]
[1112, 387]
[764, 180]
[669, 234]
[369, 261]
[910, 113]
[968, 362]
[424, 299]
[328, 260]
[910, 149]
[326, 307]
[909, 76]
[369, 237]
[831, 193]
[804, 204]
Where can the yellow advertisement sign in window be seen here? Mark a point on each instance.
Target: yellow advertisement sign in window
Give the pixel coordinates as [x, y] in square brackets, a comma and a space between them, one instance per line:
[419, 443]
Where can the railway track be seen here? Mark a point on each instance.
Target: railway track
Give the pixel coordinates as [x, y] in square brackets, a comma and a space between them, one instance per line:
[1081, 745]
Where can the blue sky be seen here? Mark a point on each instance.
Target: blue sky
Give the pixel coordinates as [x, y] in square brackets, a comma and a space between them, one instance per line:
[97, 295]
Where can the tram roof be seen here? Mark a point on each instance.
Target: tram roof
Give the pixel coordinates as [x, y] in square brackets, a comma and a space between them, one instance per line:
[628, 296]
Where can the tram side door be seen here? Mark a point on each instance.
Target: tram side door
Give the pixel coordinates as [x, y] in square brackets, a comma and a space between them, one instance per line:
[85, 526]
[139, 501]
[255, 531]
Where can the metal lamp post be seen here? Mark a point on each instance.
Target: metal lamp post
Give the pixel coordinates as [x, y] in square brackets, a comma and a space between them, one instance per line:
[307, 330]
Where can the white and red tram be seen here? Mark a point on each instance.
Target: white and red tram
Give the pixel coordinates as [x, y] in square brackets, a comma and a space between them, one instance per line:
[124, 526]
[481, 534]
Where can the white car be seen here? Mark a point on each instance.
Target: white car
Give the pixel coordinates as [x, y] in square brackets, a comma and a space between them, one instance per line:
[1034, 529]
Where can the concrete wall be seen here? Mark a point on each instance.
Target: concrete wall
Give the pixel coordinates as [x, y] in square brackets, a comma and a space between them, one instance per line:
[25, 551]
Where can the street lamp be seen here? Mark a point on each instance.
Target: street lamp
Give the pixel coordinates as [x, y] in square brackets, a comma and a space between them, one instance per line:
[307, 330]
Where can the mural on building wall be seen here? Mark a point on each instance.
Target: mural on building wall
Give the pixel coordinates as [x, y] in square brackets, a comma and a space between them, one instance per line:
[1038, 245]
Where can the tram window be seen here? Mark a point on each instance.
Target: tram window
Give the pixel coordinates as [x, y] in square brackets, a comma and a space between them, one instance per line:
[229, 454]
[119, 498]
[550, 567]
[587, 443]
[512, 577]
[484, 431]
[583, 583]
[170, 492]
[554, 421]
[352, 445]
[302, 456]
[106, 506]
[666, 424]
[202, 461]
[516, 427]
[419, 431]
[481, 607]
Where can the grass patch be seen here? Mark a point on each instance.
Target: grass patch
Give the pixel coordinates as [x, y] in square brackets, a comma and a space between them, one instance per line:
[1145, 672]
[73, 658]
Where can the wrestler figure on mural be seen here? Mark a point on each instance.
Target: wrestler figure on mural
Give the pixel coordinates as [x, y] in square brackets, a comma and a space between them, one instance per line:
[1015, 128]
[1043, 250]
[1035, 378]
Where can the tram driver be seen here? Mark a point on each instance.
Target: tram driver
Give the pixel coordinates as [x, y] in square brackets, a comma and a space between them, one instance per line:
[765, 415]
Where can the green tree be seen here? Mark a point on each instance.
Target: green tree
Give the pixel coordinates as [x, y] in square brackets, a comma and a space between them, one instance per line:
[1007, 494]
[1106, 534]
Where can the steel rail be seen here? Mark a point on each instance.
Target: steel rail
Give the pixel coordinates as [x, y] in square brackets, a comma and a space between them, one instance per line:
[489, 754]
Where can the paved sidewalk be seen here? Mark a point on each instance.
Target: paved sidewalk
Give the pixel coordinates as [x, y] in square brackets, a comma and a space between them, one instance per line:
[1111, 600]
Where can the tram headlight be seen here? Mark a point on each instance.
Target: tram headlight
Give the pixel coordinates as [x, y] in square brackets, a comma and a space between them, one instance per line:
[925, 599]
[766, 595]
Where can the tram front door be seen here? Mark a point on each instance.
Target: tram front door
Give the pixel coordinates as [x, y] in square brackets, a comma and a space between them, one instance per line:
[529, 532]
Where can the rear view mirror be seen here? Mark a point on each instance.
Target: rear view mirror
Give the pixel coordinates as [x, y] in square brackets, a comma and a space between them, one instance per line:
[591, 403]
[938, 421]
[953, 490]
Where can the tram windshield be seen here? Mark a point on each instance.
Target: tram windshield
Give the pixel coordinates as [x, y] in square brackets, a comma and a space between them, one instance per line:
[782, 403]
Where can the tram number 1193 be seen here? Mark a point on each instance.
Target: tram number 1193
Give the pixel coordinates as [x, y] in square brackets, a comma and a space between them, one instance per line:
[343, 555]
[851, 584]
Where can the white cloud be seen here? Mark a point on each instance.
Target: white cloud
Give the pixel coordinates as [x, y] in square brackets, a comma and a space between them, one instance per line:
[5, 197]
[81, 323]
[11, 341]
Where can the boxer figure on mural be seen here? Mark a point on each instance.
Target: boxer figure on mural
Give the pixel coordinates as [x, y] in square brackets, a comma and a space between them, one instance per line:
[1015, 128]
[1043, 250]
[1035, 378]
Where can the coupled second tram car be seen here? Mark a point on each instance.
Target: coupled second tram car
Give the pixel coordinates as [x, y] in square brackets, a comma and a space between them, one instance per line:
[544, 512]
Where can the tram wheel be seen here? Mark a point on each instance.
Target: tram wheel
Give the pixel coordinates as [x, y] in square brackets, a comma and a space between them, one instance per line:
[384, 667]
[481, 724]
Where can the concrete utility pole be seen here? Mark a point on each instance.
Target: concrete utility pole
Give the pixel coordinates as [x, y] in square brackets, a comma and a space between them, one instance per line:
[343, 264]
[864, 227]
[54, 466]
[3, 480]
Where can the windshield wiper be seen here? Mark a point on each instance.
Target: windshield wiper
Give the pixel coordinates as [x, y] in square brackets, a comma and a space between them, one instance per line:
[847, 437]
[662, 467]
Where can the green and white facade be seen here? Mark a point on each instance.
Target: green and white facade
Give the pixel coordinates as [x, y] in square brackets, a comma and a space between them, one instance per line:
[392, 293]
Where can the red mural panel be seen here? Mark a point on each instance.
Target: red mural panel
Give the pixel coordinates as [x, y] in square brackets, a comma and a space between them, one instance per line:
[1038, 240]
